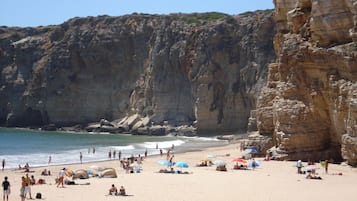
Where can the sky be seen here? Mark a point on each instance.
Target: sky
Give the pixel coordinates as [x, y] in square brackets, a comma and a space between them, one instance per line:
[26, 13]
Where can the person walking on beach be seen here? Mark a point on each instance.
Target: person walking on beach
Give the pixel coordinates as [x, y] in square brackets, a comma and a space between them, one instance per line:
[3, 164]
[146, 153]
[119, 155]
[61, 177]
[326, 166]
[93, 150]
[6, 189]
[49, 160]
[80, 156]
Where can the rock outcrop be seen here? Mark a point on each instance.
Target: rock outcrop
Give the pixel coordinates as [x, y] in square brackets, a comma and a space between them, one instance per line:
[309, 104]
[204, 70]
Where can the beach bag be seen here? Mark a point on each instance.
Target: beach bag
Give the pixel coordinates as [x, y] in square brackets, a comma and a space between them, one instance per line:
[38, 196]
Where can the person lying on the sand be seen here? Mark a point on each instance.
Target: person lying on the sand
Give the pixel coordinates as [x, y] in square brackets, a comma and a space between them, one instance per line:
[202, 164]
[310, 176]
[167, 171]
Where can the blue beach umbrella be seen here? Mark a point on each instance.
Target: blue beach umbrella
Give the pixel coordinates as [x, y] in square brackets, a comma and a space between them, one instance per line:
[251, 151]
[181, 164]
[165, 162]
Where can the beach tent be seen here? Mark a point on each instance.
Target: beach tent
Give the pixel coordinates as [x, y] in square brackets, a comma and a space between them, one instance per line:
[80, 174]
[109, 173]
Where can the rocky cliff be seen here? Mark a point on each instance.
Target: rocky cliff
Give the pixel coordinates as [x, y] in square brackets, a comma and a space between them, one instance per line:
[204, 70]
[309, 105]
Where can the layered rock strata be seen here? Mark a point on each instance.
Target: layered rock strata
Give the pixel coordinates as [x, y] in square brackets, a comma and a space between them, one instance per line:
[309, 104]
[204, 70]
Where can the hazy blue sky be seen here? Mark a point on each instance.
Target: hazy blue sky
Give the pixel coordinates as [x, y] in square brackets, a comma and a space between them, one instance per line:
[45, 12]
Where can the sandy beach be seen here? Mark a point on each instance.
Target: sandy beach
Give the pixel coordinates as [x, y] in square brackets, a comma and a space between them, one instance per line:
[272, 180]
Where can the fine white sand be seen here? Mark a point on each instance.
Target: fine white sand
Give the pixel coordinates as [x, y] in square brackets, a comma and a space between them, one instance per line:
[273, 180]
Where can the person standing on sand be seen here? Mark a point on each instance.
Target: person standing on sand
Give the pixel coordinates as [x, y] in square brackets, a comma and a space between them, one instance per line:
[254, 165]
[119, 155]
[80, 157]
[299, 166]
[3, 164]
[28, 186]
[49, 160]
[23, 188]
[6, 189]
[326, 166]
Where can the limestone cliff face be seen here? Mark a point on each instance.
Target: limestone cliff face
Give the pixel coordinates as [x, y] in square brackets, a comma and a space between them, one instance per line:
[309, 104]
[205, 69]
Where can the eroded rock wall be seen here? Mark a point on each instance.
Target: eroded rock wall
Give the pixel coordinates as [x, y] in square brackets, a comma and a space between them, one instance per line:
[308, 106]
[201, 69]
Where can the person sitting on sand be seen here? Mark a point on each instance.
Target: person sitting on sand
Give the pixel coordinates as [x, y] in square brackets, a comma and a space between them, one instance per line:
[122, 191]
[33, 180]
[41, 181]
[202, 164]
[44, 172]
[27, 167]
[221, 168]
[113, 190]
[267, 157]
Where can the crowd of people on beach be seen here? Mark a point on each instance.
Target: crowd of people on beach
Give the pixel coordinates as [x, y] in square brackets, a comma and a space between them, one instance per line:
[310, 169]
[133, 164]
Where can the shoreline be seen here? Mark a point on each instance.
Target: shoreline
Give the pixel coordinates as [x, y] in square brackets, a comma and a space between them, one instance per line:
[178, 150]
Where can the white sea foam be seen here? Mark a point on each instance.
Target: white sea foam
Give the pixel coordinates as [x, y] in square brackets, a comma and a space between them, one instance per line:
[70, 152]
[202, 138]
[163, 145]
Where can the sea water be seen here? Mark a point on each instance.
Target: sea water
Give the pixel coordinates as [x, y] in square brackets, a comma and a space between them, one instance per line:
[21, 146]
